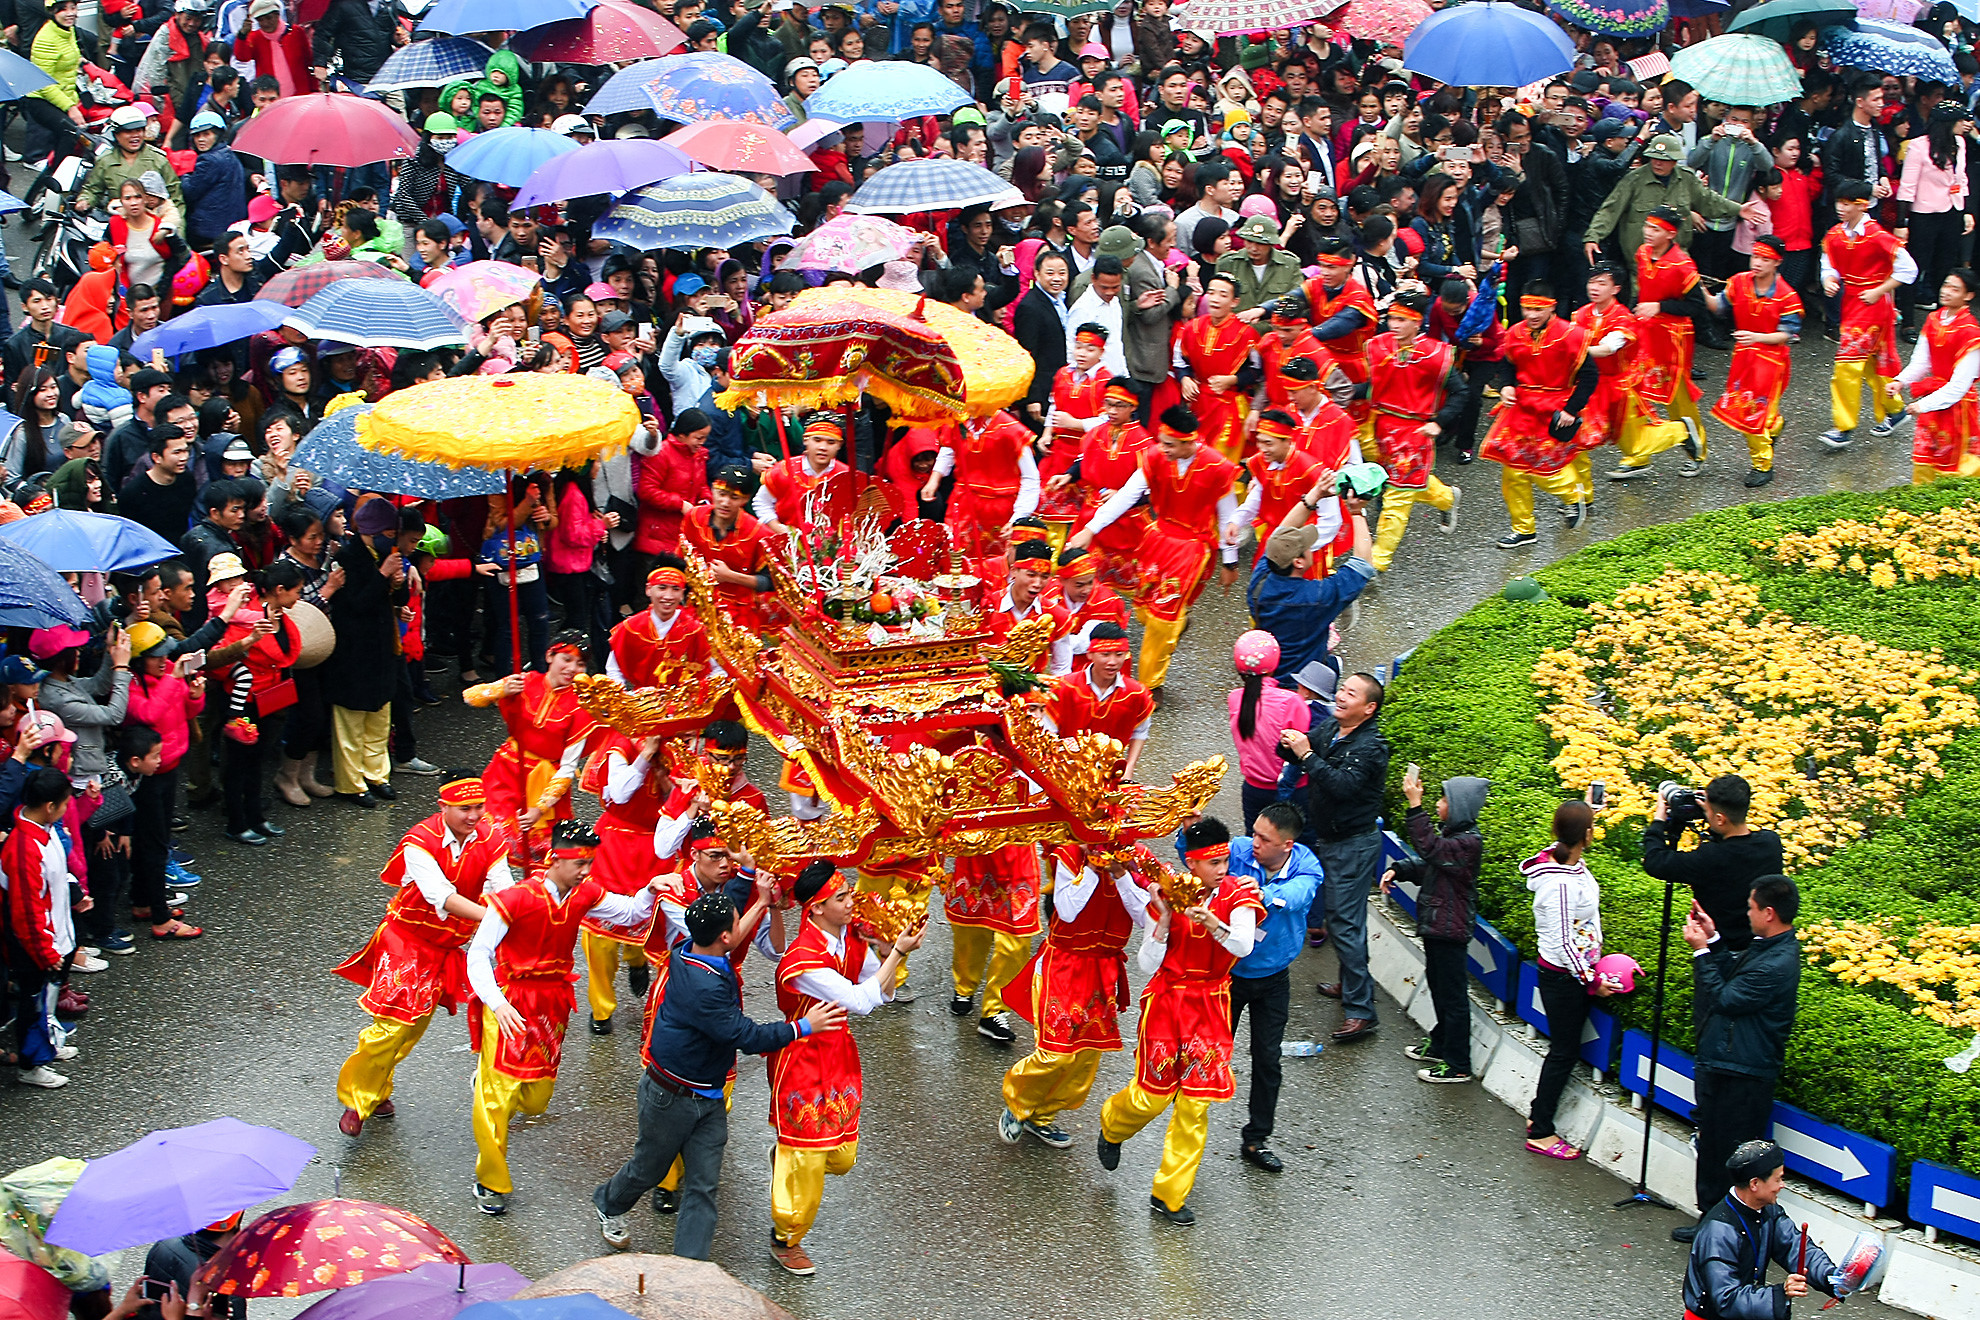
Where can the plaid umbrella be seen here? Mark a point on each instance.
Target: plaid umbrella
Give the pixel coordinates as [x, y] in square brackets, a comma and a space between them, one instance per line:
[1222, 17]
[374, 314]
[1739, 69]
[694, 211]
[1889, 48]
[938, 183]
[298, 284]
[432, 63]
[1385, 22]
[1619, 18]
[333, 452]
[696, 86]
[885, 89]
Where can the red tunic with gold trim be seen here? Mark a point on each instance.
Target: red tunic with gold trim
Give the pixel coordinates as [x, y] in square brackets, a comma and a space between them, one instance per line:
[416, 960]
[790, 481]
[1405, 390]
[1103, 605]
[1074, 988]
[999, 621]
[997, 890]
[1350, 351]
[1107, 458]
[1218, 350]
[1185, 1037]
[743, 550]
[1329, 437]
[533, 967]
[814, 1081]
[1758, 376]
[987, 481]
[647, 659]
[1948, 437]
[1863, 261]
[1076, 398]
[625, 863]
[1620, 373]
[1273, 355]
[1667, 340]
[1074, 707]
[1544, 366]
[1278, 490]
[542, 722]
[1181, 542]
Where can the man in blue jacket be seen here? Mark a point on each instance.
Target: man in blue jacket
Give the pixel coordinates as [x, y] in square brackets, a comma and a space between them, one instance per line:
[1741, 1233]
[216, 190]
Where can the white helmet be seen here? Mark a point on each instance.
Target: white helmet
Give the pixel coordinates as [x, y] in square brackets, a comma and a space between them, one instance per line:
[569, 124]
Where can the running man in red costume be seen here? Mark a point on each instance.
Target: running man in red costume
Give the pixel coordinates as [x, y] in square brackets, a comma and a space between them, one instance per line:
[1216, 362]
[1533, 437]
[1941, 376]
[529, 778]
[996, 481]
[1108, 456]
[781, 500]
[1326, 431]
[1616, 412]
[1344, 319]
[1766, 314]
[1667, 298]
[733, 545]
[1281, 474]
[1414, 392]
[1865, 263]
[1078, 406]
[1289, 338]
[1076, 593]
[631, 782]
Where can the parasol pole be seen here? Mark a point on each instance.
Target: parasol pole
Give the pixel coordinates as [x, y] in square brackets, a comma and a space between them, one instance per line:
[515, 612]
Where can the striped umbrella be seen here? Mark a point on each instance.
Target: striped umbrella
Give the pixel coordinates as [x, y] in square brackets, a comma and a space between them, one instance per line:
[1614, 18]
[432, 63]
[938, 183]
[508, 156]
[1890, 48]
[1385, 22]
[694, 211]
[885, 89]
[1738, 69]
[332, 452]
[375, 314]
[687, 88]
[298, 284]
[1222, 17]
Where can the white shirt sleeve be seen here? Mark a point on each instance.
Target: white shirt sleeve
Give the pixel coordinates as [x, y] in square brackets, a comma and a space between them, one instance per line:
[676, 918]
[1828, 269]
[1069, 895]
[1609, 344]
[623, 909]
[763, 504]
[622, 780]
[424, 872]
[1254, 497]
[498, 877]
[1027, 496]
[1152, 951]
[481, 959]
[1904, 267]
[612, 670]
[1134, 898]
[861, 998]
[669, 833]
[1916, 369]
[1953, 390]
[1226, 512]
[1059, 658]
[1119, 502]
[945, 461]
[1242, 933]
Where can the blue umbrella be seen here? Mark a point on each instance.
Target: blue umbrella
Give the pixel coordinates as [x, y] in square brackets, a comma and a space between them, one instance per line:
[885, 90]
[33, 595]
[693, 87]
[331, 451]
[10, 204]
[210, 327]
[1488, 44]
[72, 541]
[18, 77]
[602, 167]
[378, 314]
[508, 156]
[699, 210]
[432, 63]
[500, 15]
[1890, 48]
[570, 1306]
[174, 1182]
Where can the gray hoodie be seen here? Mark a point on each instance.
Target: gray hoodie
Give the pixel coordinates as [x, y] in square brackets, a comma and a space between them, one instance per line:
[1466, 794]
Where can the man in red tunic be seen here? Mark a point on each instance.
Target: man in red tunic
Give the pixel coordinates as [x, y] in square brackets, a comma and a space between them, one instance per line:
[1281, 474]
[1941, 376]
[1100, 699]
[1533, 437]
[1865, 263]
[732, 543]
[663, 643]
[414, 961]
[1182, 1051]
[633, 789]
[1076, 593]
[815, 1081]
[1616, 412]
[1079, 394]
[1290, 339]
[529, 778]
[1344, 318]
[1071, 992]
[1766, 314]
[783, 500]
[1188, 489]
[1414, 393]
[1667, 298]
[1107, 458]
[1326, 431]
[1215, 361]
[996, 481]
[1024, 599]
[520, 965]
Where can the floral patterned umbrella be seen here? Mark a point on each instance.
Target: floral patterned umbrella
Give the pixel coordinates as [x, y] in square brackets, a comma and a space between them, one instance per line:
[851, 243]
[1386, 22]
[482, 288]
[1614, 18]
[320, 1245]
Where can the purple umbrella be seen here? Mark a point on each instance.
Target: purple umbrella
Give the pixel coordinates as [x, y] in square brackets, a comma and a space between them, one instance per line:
[174, 1182]
[603, 167]
[431, 1292]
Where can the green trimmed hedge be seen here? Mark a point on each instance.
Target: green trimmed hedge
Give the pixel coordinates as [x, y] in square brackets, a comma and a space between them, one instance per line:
[1465, 704]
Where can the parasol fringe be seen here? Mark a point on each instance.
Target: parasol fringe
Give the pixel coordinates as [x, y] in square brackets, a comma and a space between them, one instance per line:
[908, 405]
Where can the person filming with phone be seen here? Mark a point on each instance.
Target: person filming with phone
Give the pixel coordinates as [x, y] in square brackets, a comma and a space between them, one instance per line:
[1722, 868]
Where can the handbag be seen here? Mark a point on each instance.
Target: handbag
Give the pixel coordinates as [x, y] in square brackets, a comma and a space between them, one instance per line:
[116, 809]
[275, 697]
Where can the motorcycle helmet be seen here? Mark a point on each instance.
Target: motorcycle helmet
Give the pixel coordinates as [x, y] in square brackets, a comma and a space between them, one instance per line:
[189, 280]
[102, 256]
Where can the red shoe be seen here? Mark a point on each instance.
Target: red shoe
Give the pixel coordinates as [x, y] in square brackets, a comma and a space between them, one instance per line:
[71, 1003]
[385, 1109]
[350, 1124]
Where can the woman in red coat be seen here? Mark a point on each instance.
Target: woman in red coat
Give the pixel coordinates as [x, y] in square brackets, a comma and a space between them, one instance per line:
[671, 482]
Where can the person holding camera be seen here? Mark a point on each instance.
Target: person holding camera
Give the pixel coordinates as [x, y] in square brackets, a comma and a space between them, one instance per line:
[1742, 1009]
[1285, 597]
[1723, 867]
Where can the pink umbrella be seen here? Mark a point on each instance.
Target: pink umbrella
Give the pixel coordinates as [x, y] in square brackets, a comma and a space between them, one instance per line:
[327, 128]
[1384, 21]
[743, 148]
[851, 243]
[613, 33]
[482, 288]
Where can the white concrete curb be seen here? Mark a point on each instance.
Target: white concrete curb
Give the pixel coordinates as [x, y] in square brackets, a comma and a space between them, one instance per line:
[1940, 1279]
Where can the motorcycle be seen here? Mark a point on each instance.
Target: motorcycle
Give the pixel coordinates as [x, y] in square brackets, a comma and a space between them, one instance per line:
[62, 256]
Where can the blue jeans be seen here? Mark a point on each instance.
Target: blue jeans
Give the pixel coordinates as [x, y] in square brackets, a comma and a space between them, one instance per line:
[1350, 867]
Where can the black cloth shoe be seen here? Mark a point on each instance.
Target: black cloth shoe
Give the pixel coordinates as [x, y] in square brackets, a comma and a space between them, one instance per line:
[601, 1026]
[364, 800]
[638, 979]
[1183, 1218]
[1263, 1158]
[248, 837]
[666, 1202]
[385, 792]
[995, 1029]
[1758, 478]
[962, 1006]
[1684, 1233]
[1110, 1154]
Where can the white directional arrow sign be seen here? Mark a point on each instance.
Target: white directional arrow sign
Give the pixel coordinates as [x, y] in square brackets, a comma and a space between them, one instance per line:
[1588, 1031]
[1481, 953]
[1948, 1201]
[1841, 1160]
[1671, 1080]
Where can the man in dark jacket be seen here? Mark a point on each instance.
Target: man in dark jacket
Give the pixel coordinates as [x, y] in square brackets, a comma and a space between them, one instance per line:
[357, 30]
[1346, 763]
[1725, 1277]
[216, 190]
[1539, 200]
[359, 687]
[225, 503]
[969, 249]
[171, 1264]
[1721, 870]
[1742, 1009]
[1446, 901]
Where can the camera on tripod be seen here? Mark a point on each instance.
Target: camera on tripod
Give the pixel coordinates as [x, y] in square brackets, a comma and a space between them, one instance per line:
[1684, 806]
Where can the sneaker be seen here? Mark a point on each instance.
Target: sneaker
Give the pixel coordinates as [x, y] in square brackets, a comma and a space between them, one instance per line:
[1629, 472]
[961, 1006]
[63, 1053]
[613, 1229]
[996, 1028]
[85, 963]
[44, 1077]
[1890, 424]
[1573, 514]
[1516, 540]
[1421, 1052]
[120, 944]
[252, 838]
[791, 1256]
[905, 993]
[1694, 439]
[1110, 1154]
[179, 856]
[1836, 439]
[1447, 518]
[1443, 1073]
[1050, 1133]
[178, 875]
[271, 829]
[601, 1026]
[1691, 467]
[175, 900]
[491, 1201]
[415, 767]
[1009, 1129]
[1181, 1218]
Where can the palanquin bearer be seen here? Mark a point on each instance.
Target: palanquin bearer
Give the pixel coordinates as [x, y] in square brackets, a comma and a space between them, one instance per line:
[1072, 992]
[1534, 436]
[415, 961]
[632, 788]
[520, 966]
[992, 904]
[815, 1081]
[529, 778]
[1865, 263]
[1182, 1051]
[1668, 299]
[1766, 314]
[1941, 377]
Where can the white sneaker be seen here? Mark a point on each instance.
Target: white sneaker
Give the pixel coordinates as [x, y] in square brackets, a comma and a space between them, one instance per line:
[66, 1052]
[90, 951]
[85, 963]
[44, 1077]
[614, 1230]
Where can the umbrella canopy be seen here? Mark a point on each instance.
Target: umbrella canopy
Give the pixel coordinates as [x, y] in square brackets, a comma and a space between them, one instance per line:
[602, 167]
[18, 77]
[175, 1181]
[694, 211]
[209, 327]
[885, 89]
[1488, 44]
[1739, 69]
[1618, 18]
[1067, 8]
[1224, 17]
[938, 183]
[1385, 22]
[851, 243]
[431, 1292]
[499, 15]
[569, 1306]
[306, 1248]
[1903, 12]
[1776, 19]
[33, 595]
[432, 63]
[374, 314]
[689, 88]
[1890, 48]
[613, 33]
[652, 1287]
[333, 451]
[28, 1292]
[72, 541]
[508, 156]
[513, 422]
[482, 288]
[724, 144]
[298, 284]
[326, 128]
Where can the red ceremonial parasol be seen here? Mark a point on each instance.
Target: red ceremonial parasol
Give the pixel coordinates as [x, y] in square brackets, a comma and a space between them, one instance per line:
[327, 128]
[28, 1292]
[319, 1245]
[744, 148]
[616, 32]
[298, 284]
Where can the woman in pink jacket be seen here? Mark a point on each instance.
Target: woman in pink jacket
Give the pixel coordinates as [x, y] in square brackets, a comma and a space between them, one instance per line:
[162, 700]
[568, 555]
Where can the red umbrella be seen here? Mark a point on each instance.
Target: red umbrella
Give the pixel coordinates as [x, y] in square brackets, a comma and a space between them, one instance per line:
[726, 144]
[325, 1244]
[327, 128]
[28, 1292]
[616, 31]
[298, 284]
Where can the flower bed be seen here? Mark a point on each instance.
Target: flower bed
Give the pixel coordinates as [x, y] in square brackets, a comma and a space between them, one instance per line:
[1828, 649]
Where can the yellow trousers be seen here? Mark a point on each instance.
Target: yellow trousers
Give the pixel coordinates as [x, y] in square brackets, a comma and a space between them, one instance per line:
[1517, 486]
[1042, 1085]
[1158, 643]
[365, 1080]
[1924, 474]
[602, 955]
[1846, 393]
[1006, 955]
[1584, 475]
[1131, 1109]
[1760, 448]
[497, 1097]
[360, 743]
[797, 1185]
[1397, 501]
[1643, 437]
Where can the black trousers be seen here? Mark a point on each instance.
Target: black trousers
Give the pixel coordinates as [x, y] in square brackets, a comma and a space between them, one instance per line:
[1270, 1000]
[694, 1127]
[1732, 1108]
[1934, 244]
[109, 883]
[151, 841]
[404, 741]
[1443, 969]
[1566, 1002]
[241, 774]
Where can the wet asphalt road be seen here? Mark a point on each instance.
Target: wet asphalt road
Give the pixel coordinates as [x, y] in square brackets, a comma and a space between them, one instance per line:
[1398, 1199]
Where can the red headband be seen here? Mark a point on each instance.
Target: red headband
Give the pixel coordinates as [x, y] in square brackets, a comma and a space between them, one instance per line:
[666, 577]
[1288, 318]
[708, 844]
[1335, 261]
[1092, 337]
[1087, 562]
[463, 793]
[1209, 852]
[1034, 563]
[1163, 432]
[1533, 302]
[1275, 429]
[571, 649]
[1660, 222]
[1107, 646]
[1123, 394]
[574, 852]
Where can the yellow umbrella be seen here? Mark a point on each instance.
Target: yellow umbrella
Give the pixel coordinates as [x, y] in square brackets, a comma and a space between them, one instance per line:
[514, 422]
